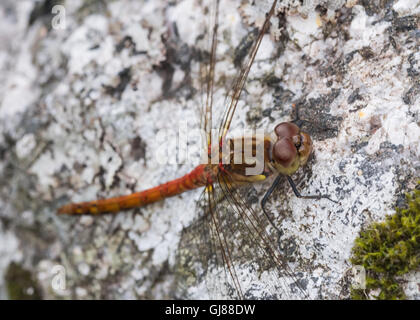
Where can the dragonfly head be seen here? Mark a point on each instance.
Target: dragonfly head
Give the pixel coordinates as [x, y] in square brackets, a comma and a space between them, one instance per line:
[292, 148]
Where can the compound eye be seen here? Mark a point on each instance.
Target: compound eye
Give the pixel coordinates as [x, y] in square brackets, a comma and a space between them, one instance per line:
[284, 151]
[286, 130]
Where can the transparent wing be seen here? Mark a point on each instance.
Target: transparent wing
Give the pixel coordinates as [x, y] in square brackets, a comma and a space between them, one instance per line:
[239, 82]
[228, 252]
[210, 75]
[260, 247]
[203, 255]
[207, 69]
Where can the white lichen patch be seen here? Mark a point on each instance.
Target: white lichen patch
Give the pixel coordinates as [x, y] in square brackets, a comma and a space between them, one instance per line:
[302, 29]
[17, 90]
[25, 145]
[405, 7]
[9, 251]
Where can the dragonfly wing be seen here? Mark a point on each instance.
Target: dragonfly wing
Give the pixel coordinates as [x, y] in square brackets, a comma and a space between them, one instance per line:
[255, 251]
[207, 71]
[201, 258]
[239, 82]
[229, 253]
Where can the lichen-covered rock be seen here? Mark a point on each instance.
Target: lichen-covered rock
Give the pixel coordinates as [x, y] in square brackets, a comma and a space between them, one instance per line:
[88, 104]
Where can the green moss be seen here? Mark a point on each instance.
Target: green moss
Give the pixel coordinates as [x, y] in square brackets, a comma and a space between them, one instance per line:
[20, 283]
[389, 249]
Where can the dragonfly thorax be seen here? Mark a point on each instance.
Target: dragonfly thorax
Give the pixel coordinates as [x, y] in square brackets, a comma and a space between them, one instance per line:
[250, 157]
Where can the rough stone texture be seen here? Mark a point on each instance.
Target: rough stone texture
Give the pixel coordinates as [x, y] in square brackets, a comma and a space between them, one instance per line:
[81, 110]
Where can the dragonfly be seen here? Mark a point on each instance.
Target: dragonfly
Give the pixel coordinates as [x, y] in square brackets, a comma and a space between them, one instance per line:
[224, 176]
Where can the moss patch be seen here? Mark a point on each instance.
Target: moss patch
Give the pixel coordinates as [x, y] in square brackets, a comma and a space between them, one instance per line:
[21, 284]
[389, 249]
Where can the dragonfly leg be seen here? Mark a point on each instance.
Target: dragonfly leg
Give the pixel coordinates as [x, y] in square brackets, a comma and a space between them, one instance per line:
[265, 198]
[297, 120]
[317, 197]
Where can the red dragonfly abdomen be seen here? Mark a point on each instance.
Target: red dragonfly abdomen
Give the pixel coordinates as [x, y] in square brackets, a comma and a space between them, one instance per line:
[195, 179]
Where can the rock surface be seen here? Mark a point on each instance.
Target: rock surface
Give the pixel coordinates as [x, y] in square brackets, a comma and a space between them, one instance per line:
[88, 104]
